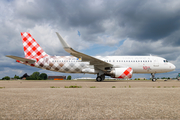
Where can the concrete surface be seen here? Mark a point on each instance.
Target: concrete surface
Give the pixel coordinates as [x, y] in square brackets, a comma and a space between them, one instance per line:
[138, 100]
[88, 83]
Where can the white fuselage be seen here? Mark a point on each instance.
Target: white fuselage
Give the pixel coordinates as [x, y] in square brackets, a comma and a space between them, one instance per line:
[139, 64]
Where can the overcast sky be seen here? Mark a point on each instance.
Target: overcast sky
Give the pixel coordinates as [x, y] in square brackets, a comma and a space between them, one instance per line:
[94, 27]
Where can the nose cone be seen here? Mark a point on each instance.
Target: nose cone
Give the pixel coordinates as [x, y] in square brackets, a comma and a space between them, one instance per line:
[172, 67]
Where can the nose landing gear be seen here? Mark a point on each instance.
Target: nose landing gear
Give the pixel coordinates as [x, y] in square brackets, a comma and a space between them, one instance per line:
[153, 77]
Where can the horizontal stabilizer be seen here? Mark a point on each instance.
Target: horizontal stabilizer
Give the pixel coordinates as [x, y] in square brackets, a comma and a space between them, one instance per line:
[22, 59]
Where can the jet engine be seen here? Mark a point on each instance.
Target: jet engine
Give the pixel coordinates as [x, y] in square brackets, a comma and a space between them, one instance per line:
[123, 73]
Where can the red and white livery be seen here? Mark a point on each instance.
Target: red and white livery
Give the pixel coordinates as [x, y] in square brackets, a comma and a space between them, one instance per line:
[121, 67]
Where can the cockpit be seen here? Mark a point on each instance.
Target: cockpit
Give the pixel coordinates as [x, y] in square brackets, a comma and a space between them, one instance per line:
[165, 61]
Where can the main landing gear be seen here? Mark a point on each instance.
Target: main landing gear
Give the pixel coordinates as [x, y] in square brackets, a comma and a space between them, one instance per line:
[100, 78]
[153, 77]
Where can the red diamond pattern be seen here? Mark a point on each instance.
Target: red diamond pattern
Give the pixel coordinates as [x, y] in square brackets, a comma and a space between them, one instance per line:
[30, 42]
[127, 73]
[25, 39]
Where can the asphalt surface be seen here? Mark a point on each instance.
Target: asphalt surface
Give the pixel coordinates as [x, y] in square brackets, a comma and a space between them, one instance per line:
[138, 100]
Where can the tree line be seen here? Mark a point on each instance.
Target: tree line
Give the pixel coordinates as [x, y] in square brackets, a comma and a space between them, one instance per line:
[34, 76]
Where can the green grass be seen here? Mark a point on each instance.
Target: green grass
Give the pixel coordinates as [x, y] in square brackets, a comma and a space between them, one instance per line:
[54, 87]
[170, 86]
[113, 86]
[73, 86]
[158, 86]
[93, 87]
[129, 86]
[2, 87]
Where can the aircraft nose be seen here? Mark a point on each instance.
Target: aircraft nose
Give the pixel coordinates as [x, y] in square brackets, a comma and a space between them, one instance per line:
[173, 67]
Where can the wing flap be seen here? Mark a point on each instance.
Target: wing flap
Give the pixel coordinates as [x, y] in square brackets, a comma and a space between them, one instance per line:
[22, 59]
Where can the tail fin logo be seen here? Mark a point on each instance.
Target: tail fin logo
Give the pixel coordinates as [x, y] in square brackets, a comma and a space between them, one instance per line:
[31, 48]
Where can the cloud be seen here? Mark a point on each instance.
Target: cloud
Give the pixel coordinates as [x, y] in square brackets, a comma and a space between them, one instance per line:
[132, 47]
[130, 27]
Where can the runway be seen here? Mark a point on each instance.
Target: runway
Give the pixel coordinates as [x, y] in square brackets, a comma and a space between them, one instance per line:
[138, 100]
[89, 83]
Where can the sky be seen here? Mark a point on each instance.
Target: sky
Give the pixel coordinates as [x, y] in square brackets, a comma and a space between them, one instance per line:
[93, 27]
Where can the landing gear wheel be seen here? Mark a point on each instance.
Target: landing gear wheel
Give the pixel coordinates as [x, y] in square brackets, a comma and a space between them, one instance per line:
[153, 77]
[99, 79]
[154, 80]
[103, 77]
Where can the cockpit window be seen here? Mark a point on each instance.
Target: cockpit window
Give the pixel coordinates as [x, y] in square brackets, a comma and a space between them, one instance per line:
[165, 61]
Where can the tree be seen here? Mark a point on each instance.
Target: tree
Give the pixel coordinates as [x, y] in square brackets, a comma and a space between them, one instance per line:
[6, 78]
[37, 76]
[34, 76]
[69, 77]
[43, 76]
[16, 77]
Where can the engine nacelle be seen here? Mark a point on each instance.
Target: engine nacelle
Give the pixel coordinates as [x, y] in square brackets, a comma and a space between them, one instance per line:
[123, 73]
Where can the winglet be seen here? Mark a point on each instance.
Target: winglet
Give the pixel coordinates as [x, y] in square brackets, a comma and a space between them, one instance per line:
[65, 45]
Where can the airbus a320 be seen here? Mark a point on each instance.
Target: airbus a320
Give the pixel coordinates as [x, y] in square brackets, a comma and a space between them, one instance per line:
[122, 67]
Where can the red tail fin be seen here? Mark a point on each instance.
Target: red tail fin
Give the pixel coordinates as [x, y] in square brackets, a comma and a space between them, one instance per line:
[31, 48]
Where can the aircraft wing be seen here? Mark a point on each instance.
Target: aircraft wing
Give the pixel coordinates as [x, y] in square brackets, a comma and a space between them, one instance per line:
[85, 58]
[22, 59]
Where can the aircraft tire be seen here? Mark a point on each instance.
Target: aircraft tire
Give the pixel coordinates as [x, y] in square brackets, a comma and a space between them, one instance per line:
[99, 79]
[103, 77]
[154, 80]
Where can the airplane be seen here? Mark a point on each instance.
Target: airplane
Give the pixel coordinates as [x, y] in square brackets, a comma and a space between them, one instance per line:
[122, 67]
